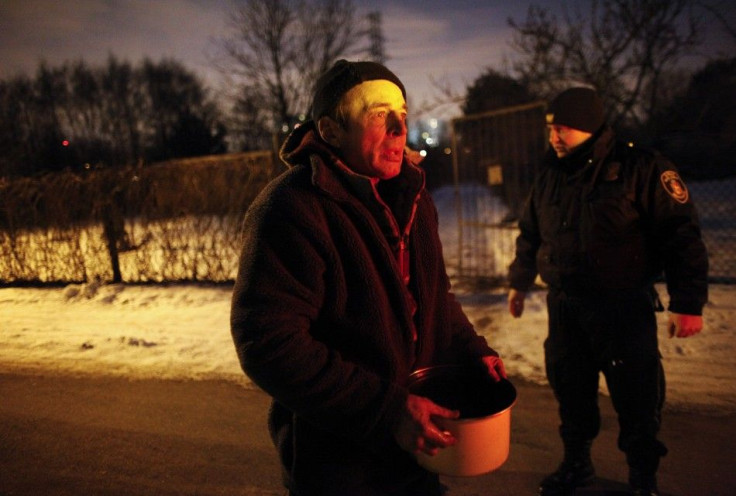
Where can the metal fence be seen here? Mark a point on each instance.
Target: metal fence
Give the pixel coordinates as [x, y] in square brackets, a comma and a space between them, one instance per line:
[495, 160]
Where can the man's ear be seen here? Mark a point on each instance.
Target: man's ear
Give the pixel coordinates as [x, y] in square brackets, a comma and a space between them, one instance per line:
[329, 130]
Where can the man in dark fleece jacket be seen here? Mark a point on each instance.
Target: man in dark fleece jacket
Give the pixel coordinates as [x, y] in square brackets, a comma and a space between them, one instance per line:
[342, 292]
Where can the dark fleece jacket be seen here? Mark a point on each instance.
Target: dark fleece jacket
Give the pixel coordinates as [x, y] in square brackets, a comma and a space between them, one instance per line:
[322, 319]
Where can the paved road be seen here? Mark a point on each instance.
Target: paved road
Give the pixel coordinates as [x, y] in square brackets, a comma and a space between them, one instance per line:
[114, 437]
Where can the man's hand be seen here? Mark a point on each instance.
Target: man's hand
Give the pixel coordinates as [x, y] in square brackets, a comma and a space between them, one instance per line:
[683, 326]
[495, 367]
[516, 302]
[416, 430]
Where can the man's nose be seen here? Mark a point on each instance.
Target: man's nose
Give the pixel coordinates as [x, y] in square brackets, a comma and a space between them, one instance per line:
[396, 124]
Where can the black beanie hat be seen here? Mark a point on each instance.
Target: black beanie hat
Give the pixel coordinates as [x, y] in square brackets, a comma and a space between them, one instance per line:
[578, 108]
[339, 79]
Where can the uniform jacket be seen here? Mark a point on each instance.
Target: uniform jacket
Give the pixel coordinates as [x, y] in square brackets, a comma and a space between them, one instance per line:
[324, 321]
[609, 217]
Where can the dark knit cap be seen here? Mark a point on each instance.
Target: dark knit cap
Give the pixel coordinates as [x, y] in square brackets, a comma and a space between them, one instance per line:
[578, 108]
[339, 79]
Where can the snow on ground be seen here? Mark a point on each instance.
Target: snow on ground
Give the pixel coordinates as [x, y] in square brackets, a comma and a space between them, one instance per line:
[182, 332]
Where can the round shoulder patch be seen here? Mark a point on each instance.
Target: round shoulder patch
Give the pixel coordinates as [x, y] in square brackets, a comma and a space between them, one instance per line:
[674, 186]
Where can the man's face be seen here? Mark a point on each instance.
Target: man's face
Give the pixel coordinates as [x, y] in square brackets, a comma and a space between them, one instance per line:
[565, 139]
[373, 137]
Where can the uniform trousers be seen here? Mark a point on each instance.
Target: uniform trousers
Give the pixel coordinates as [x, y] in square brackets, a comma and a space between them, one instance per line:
[614, 333]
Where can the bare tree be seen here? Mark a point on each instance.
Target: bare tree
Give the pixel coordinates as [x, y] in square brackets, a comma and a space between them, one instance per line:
[445, 97]
[718, 8]
[278, 48]
[74, 114]
[494, 90]
[183, 120]
[25, 132]
[623, 48]
[377, 40]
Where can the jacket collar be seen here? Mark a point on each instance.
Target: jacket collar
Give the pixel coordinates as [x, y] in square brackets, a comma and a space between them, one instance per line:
[330, 173]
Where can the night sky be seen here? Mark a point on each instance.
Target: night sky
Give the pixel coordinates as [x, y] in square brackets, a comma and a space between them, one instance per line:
[450, 41]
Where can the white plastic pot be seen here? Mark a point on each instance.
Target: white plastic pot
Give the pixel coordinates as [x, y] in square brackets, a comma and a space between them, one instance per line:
[483, 431]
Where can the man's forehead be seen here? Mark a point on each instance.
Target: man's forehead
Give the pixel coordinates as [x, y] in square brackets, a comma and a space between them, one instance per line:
[376, 92]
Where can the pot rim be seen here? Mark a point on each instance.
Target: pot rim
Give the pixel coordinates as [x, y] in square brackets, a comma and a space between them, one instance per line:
[425, 371]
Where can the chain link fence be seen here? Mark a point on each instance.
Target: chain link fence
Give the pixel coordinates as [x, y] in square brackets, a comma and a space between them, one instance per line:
[495, 161]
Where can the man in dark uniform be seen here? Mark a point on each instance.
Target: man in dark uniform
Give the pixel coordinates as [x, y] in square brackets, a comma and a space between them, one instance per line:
[603, 220]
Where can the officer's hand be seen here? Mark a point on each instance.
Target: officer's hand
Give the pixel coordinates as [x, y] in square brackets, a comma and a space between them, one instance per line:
[683, 326]
[495, 367]
[516, 302]
[416, 430]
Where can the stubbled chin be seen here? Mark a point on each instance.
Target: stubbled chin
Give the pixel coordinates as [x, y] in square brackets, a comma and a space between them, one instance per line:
[395, 155]
[390, 169]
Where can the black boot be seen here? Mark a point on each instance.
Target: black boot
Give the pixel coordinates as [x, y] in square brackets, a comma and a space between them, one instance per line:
[575, 470]
[643, 463]
[643, 483]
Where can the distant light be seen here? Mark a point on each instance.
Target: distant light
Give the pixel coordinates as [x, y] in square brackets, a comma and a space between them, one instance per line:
[423, 153]
[433, 123]
[631, 144]
[429, 141]
[285, 128]
[65, 143]
[448, 151]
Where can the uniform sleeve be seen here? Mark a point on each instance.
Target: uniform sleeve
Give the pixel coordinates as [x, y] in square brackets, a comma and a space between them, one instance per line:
[523, 269]
[677, 237]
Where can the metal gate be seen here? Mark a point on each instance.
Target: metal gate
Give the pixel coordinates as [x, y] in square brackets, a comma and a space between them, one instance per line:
[496, 155]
